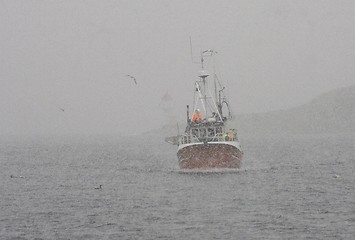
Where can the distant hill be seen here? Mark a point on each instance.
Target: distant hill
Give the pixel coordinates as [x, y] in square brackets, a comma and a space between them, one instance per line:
[332, 112]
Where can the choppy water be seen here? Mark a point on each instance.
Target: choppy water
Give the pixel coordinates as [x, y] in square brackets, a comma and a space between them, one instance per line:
[300, 188]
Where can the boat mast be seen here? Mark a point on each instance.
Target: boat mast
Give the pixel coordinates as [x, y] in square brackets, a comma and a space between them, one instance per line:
[203, 76]
[215, 105]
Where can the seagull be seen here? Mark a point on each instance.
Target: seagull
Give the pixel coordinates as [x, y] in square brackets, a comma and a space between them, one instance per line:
[134, 79]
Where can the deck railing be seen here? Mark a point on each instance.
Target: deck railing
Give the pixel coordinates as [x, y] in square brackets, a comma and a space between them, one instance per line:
[220, 137]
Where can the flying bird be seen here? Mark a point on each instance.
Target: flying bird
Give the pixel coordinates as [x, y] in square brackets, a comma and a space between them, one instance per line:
[134, 79]
[62, 109]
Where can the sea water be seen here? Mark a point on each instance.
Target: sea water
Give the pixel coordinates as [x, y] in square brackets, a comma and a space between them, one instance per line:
[295, 187]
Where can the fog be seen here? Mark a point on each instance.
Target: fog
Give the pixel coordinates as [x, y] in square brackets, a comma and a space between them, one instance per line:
[64, 64]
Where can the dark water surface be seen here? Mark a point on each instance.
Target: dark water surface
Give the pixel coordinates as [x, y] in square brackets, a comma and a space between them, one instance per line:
[287, 188]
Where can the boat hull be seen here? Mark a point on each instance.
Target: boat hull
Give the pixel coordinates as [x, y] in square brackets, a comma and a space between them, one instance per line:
[209, 155]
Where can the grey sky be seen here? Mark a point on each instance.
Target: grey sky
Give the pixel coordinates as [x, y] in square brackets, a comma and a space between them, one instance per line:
[75, 55]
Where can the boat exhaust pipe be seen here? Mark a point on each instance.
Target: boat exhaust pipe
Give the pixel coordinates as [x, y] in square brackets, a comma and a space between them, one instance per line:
[188, 113]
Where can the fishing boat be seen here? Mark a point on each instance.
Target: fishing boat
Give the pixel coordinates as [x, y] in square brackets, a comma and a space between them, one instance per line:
[208, 142]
